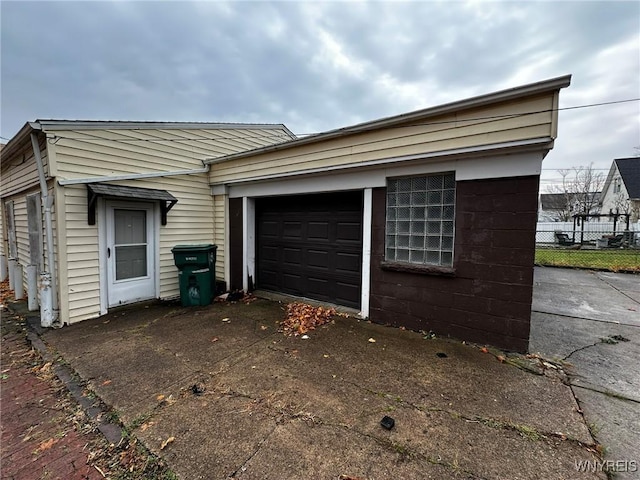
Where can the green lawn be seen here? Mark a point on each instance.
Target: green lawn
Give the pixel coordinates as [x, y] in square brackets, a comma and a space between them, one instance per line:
[614, 259]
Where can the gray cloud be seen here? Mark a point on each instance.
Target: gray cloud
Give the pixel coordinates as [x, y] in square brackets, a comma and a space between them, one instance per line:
[317, 66]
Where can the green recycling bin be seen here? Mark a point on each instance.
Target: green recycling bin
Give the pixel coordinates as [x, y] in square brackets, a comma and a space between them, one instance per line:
[196, 273]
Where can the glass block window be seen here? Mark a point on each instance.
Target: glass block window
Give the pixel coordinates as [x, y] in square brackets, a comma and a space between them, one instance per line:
[420, 219]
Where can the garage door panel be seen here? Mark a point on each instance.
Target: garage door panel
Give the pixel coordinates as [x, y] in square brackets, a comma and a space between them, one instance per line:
[292, 255]
[318, 240]
[269, 253]
[269, 279]
[349, 232]
[318, 259]
[318, 288]
[292, 230]
[291, 281]
[346, 291]
[348, 262]
[318, 231]
[270, 228]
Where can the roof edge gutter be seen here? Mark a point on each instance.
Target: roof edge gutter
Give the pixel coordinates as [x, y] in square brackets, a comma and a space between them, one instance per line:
[133, 176]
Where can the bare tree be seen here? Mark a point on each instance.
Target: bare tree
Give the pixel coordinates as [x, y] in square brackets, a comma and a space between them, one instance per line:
[580, 188]
[563, 208]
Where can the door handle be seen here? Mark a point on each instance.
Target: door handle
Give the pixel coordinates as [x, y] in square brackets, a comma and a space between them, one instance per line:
[108, 253]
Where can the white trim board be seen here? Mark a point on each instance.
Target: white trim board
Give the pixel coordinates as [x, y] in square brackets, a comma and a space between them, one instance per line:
[495, 166]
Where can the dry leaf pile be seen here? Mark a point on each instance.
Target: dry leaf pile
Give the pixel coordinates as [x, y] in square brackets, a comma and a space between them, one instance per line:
[302, 318]
[6, 294]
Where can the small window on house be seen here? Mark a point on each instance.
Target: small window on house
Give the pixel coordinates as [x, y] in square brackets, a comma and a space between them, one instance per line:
[616, 186]
[420, 220]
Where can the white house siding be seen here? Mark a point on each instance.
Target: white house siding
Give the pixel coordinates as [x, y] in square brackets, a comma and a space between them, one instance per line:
[608, 196]
[19, 171]
[471, 128]
[220, 234]
[82, 154]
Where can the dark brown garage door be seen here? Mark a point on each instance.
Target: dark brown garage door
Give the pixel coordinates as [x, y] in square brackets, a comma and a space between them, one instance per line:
[311, 246]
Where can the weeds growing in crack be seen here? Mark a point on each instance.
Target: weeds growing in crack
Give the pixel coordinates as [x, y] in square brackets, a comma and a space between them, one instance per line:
[139, 421]
[525, 431]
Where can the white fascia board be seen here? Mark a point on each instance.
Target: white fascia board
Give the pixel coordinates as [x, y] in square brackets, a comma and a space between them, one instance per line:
[468, 168]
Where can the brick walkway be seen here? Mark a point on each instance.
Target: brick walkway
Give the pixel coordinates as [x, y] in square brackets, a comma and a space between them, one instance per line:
[37, 435]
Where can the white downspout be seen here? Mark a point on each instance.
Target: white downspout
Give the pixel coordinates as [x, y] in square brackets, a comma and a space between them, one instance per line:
[48, 318]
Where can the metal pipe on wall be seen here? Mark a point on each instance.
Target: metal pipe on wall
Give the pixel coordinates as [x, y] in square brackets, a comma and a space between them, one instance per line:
[49, 277]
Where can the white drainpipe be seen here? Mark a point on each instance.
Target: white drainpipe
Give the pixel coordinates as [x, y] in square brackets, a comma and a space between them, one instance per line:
[49, 312]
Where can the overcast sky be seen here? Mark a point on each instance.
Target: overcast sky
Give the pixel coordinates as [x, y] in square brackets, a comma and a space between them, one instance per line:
[315, 66]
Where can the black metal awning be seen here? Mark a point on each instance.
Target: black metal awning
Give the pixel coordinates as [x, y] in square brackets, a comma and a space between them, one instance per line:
[95, 190]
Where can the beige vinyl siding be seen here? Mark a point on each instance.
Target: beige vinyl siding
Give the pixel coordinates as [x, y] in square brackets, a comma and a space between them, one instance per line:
[97, 152]
[80, 276]
[190, 221]
[118, 152]
[506, 122]
[220, 234]
[20, 172]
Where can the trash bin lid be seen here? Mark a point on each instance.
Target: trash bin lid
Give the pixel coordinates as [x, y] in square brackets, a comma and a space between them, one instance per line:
[194, 248]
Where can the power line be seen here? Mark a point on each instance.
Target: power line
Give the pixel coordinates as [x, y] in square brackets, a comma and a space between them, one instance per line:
[444, 122]
[304, 135]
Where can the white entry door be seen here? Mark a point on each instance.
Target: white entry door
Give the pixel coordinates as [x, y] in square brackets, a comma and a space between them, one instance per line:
[130, 252]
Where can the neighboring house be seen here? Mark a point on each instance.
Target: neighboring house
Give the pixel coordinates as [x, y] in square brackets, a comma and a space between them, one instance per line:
[424, 220]
[560, 207]
[111, 186]
[621, 192]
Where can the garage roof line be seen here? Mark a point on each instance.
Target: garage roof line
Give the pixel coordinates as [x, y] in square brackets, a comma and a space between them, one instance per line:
[504, 95]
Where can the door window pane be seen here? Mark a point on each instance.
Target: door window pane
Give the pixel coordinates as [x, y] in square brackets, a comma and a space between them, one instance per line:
[130, 249]
[131, 261]
[130, 226]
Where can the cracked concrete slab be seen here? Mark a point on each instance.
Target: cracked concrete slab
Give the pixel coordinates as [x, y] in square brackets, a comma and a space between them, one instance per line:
[582, 294]
[558, 336]
[616, 424]
[601, 349]
[277, 407]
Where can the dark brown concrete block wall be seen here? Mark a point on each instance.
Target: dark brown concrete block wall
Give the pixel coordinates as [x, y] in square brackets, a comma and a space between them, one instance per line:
[488, 300]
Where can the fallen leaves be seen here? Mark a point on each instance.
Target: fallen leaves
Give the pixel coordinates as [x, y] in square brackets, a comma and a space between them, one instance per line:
[6, 294]
[106, 382]
[169, 440]
[46, 445]
[302, 318]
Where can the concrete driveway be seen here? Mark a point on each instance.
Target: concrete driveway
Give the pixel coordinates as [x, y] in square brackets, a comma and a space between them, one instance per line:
[240, 400]
[591, 320]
